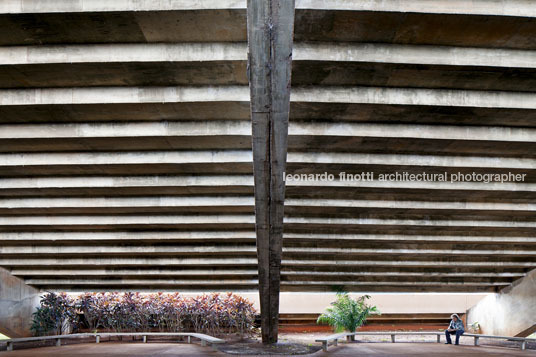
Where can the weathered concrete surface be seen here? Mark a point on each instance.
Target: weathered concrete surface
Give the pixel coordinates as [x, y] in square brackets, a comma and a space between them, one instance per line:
[511, 312]
[17, 303]
[270, 39]
[422, 27]
[205, 24]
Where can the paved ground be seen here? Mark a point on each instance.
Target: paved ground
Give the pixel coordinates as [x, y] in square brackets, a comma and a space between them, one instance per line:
[355, 349]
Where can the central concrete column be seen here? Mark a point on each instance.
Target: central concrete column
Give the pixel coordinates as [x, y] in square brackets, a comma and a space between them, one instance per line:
[17, 304]
[270, 37]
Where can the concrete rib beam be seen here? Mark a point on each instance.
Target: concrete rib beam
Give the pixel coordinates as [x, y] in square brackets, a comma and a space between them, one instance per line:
[196, 52]
[435, 205]
[406, 222]
[198, 201]
[241, 127]
[354, 95]
[150, 201]
[413, 96]
[142, 282]
[32, 272]
[411, 54]
[39, 6]
[134, 262]
[127, 158]
[288, 263]
[89, 182]
[419, 185]
[409, 160]
[147, 250]
[115, 53]
[207, 250]
[145, 272]
[123, 95]
[406, 238]
[329, 274]
[393, 283]
[125, 181]
[438, 132]
[17, 221]
[40, 237]
[424, 251]
[521, 8]
[132, 129]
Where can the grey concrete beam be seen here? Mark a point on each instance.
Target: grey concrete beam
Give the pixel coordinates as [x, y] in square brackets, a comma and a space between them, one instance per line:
[149, 201]
[129, 262]
[215, 201]
[32, 272]
[229, 273]
[131, 129]
[239, 127]
[341, 274]
[459, 7]
[114, 236]
[412, 131]
[89, 182]
[125, 158]
[406, 222]
[242, 250]
[392, 283]
[289, 263]
[399, 252]
[411, 54]
[37, 6]
[423, 185]
[356, 95]
[122, 95]
[144, 250]
[80, 182]
[143, 282]
[112, 53]
[19, 221]
[334, 52]
[481, 7]
[410, 96]
[409, 160]
[409, 238]
[395, 204]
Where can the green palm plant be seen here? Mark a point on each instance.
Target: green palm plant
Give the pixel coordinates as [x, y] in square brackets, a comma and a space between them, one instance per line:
[346, 313]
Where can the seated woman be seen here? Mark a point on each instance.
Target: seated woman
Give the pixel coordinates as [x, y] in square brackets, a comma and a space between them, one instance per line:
[455, 327]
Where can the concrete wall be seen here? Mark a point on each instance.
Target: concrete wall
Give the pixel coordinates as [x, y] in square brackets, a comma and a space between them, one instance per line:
[17, 303]
[389, 303]
[512, 312]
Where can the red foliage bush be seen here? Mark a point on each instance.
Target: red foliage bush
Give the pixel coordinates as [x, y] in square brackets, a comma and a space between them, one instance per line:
[214, 313]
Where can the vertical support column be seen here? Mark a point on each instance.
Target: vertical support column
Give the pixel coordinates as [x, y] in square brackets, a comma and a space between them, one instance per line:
[270, 37]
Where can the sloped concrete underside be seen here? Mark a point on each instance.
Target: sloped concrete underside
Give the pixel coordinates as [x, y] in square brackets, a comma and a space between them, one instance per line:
[126, 161]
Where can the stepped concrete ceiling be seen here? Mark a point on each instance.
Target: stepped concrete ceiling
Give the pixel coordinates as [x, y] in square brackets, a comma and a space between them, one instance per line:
[126, 145]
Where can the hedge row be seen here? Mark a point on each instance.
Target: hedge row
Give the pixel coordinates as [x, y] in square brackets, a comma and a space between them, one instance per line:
[128, 312]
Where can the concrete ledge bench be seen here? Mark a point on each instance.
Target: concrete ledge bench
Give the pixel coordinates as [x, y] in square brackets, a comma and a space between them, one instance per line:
[58, 339]
[351, 336]
[523, 340]
[331, 338]
[205, 339]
